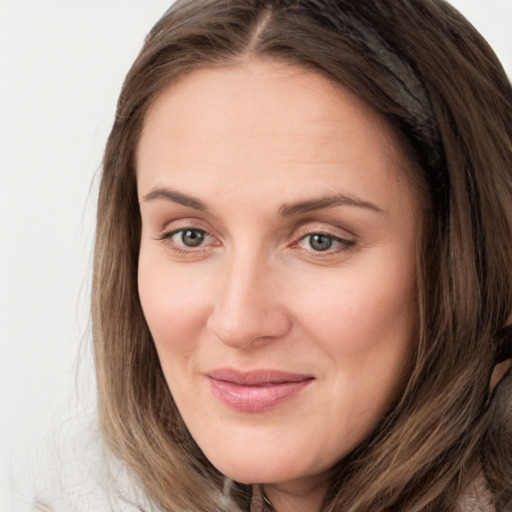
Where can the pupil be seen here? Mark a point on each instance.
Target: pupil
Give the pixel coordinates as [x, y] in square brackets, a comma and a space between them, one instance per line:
[320, 242]
[192, 237]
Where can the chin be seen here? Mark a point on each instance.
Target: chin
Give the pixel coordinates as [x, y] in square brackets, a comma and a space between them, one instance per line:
[248, 471]
[251, 475]
[260, 469]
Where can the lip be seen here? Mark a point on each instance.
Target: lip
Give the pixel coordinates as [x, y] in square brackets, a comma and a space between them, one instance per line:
[257, 390]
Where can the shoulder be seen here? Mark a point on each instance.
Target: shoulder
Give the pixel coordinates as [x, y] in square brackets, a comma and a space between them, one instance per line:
[477, 497]
[72, 471]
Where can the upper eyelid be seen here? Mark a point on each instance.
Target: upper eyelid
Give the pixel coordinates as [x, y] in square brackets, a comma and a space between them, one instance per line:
[185, 223]
[320, 226]
[325, 233]
[172, 232]
[346, 242]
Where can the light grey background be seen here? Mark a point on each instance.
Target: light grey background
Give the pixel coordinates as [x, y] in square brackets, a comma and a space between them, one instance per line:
[62, 63]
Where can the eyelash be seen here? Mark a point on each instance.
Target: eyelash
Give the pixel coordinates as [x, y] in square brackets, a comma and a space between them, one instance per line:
[184, 249]
[343, 244]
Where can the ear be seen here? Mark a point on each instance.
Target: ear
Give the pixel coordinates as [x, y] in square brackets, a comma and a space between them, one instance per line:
[503, 344]
[502, 355]
[499, 372]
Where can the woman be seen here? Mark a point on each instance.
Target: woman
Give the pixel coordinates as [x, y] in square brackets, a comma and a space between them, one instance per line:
[302, 288]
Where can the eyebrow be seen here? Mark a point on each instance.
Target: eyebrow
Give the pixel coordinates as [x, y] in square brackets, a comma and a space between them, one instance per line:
[285, 210]
[175, 197]
[327, 202]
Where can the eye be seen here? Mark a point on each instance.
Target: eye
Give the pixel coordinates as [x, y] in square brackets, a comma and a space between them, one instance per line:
[325, 242]
[191, 237]
[187, 239]
[320, 242]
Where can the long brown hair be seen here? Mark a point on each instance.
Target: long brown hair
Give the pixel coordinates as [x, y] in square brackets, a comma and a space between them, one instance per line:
[422, 65]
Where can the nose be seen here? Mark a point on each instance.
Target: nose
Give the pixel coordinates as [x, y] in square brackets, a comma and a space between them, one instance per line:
[249, 310]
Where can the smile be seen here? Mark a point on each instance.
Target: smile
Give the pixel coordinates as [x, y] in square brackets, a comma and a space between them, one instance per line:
[255, 391]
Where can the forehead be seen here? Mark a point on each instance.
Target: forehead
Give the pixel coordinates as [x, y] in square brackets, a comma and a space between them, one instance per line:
[296, 97]
[236, 125]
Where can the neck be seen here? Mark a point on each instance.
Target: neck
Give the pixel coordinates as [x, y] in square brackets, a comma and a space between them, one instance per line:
[297, 496]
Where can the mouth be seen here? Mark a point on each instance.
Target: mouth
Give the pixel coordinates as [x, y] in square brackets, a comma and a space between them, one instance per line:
[255, 391]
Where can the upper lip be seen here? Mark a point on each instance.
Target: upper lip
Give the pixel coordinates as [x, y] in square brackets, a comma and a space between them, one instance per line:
[256, 377]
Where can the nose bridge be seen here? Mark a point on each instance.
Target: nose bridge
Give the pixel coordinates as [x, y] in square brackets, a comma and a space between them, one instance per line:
[247, 305]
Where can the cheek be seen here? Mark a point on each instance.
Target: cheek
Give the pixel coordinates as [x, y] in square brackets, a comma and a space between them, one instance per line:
[174, 303]
[366, 325]
[361, 309]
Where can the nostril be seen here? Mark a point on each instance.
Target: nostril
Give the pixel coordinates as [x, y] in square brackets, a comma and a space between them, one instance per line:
[244, 328]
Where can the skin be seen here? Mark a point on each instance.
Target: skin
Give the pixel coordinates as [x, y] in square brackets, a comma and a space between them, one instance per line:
[249, 142]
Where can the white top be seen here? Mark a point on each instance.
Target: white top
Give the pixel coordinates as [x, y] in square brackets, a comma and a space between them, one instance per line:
[72, 472]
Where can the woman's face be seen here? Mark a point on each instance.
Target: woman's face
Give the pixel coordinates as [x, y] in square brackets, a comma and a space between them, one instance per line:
[277, 266]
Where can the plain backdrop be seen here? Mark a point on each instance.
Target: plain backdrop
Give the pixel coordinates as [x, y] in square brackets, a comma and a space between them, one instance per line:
[62, 63]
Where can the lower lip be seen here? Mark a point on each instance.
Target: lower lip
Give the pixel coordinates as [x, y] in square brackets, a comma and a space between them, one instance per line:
[255, 398]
